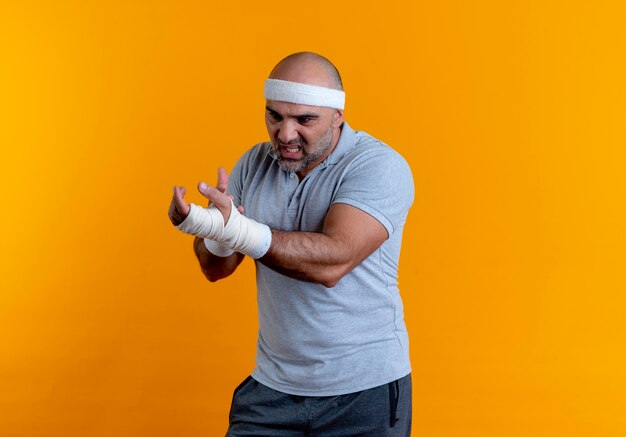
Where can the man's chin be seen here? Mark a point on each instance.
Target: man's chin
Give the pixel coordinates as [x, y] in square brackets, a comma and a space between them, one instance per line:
[291, 165]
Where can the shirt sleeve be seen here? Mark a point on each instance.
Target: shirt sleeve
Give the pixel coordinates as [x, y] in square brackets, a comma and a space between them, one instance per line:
[379, 183]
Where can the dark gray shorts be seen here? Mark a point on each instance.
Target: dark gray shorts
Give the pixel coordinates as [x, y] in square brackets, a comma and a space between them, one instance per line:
[381, 411]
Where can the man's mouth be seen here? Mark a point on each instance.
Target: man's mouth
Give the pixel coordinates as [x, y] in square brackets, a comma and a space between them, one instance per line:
[290, 152]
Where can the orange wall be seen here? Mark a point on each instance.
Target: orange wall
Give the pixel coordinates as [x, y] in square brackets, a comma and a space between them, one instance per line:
[511, 115]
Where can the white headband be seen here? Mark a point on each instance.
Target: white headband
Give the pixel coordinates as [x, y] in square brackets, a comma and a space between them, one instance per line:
[303, 94]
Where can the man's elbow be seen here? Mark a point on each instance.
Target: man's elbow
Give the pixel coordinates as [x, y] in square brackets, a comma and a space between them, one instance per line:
[330, 277]
[213, 275]
[329, 283]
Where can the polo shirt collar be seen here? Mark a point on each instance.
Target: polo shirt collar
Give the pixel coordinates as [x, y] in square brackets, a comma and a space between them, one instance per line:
[346, 142]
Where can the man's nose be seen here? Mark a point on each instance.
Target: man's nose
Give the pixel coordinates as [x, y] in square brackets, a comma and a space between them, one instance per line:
[287, 131]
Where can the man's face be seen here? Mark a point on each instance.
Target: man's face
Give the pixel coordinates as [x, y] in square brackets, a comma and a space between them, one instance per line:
[302, 136]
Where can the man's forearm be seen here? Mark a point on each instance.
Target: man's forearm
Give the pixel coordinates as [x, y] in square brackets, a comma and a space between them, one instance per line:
[215, 267]
[310, 256]
[348, 237]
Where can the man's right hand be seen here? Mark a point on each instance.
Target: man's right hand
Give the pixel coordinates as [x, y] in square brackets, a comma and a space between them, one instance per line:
[217, 195]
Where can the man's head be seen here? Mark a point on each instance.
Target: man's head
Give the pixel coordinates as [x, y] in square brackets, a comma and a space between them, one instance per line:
[303, 135]
[309, 68]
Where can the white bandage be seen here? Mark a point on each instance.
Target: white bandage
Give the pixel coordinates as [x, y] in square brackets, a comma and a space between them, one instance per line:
[303, 94]
[217, 249]
[240, 234]
[203, 222]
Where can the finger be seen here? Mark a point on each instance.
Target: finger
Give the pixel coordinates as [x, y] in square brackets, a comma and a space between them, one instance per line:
[178, 209]
[219, 199]
[179, 198]
[222, 179]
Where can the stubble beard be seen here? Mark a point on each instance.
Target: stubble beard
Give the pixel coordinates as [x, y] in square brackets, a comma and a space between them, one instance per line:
[311, 153]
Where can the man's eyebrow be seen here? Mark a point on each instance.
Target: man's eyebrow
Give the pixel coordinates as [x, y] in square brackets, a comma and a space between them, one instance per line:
[306, 114]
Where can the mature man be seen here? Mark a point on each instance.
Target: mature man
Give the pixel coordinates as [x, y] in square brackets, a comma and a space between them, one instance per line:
[321, 208]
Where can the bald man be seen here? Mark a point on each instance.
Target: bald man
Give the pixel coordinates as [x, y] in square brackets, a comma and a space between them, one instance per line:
[321, 209]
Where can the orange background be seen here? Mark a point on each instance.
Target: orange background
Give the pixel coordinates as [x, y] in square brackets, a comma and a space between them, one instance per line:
[513, 274]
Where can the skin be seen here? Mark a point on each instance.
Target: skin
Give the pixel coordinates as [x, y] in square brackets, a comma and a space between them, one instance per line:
[315, 130]
[302, 136]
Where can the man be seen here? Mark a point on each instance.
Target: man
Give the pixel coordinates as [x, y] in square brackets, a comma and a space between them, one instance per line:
[321, 208]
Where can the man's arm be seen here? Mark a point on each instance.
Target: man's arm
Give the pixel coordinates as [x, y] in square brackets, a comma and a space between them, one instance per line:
[215, 267]
[348, 237]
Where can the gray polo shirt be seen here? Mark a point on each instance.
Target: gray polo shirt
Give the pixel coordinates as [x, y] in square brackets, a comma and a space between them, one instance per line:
[318, 341]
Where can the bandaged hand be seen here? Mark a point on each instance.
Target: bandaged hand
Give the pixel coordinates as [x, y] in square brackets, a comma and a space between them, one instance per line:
[240, 233]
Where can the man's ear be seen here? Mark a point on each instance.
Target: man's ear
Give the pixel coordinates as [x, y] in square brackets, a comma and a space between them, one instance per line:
[338, 117]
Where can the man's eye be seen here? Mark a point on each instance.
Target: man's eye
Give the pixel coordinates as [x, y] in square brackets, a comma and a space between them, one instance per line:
[275, 116]
[304, 120]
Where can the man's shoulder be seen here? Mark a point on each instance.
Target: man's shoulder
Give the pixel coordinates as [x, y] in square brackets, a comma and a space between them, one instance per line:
[370, 149]
[255, 156]
[258, 151]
